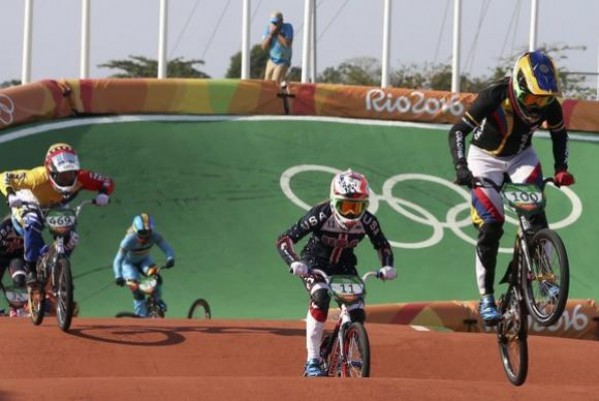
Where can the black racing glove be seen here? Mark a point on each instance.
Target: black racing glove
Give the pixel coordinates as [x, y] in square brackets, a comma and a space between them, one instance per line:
[463, 175]
[170, 263]
[119, 281]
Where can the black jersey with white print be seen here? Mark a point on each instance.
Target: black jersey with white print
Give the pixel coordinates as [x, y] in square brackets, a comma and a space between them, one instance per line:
[330, 246]
[11, 244]
[502, 128]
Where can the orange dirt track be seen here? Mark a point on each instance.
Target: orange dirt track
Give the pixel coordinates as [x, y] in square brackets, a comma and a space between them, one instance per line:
[173, 360]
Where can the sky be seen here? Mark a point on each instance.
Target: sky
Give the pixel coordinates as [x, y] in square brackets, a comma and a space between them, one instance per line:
[210, 30]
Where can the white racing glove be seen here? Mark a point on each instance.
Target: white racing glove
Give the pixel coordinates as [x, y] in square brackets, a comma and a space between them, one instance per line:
[14, 201]
[73, 241]
[299, 269]
[102, 199]
[387, 273]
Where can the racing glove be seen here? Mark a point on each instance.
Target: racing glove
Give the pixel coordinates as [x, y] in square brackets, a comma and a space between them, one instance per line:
[563, 177]
[169, 263]
[14, 201]
[387, 273]
[299, 269]
[119, 281]
[463, 175]
[102, 199]
[73, 241]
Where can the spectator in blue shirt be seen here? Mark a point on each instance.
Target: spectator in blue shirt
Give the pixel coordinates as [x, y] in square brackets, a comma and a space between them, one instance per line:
[277, 39]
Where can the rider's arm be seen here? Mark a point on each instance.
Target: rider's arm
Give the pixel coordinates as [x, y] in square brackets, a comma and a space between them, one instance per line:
[92, 181]
[117, 264]
[486, 103]
[379, 241]
[164, 246]
[313, 219]
[11, 181]
[559, 135]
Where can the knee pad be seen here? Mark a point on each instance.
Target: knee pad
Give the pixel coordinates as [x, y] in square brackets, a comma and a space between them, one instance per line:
[487, 245]
[538, 221]
[138, 295]
[357, 315]
[19, 280]
[321, 299]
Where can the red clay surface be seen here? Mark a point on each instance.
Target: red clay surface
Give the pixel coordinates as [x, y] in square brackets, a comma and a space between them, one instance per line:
[173, 360]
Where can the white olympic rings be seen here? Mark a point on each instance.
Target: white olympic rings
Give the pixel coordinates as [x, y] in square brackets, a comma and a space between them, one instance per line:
[417, 213]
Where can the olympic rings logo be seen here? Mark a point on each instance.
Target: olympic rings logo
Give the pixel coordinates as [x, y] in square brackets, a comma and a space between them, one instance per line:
[7, 110]
[417, 213]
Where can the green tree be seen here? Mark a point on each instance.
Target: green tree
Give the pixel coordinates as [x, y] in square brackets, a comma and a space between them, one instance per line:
[364, 71]
[12, 82]
[143, 67]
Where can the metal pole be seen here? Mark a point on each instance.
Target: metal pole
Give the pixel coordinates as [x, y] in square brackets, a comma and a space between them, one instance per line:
[245, 40]
[534, 16]
[597, 94]
[308, 6]
[27, 35]
[163, 28]
[313, 47]
[386, 44]
[455, 64]
[84, 60]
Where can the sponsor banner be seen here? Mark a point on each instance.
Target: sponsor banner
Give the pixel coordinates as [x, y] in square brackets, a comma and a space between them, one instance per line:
[55, 99]
[381, 104]
[175, 96]
[580, 319]
[36, 101]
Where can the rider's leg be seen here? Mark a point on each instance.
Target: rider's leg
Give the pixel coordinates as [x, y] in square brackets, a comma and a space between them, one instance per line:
[487, 216]
[139, 303]
[17, 272]
[131, 275]
[526, 168]
[315, 319]
[33, 242]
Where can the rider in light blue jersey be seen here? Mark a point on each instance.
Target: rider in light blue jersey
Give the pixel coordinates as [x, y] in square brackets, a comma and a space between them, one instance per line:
[133, 259]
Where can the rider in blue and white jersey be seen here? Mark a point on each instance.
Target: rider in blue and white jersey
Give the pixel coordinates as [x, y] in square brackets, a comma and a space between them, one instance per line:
[133, 259]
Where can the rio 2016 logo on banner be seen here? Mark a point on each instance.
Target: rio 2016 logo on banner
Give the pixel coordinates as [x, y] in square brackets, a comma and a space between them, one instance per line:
[417, 213]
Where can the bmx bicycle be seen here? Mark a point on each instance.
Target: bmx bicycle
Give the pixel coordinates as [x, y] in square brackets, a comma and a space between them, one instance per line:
[54, 277]
[148, 283]
[345, 351]
[537, 277]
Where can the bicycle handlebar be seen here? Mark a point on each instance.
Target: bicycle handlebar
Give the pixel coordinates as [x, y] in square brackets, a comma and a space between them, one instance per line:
[327, 277]
[488, 183]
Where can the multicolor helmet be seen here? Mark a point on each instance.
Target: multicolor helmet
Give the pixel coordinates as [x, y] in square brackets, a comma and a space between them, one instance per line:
[62, 166]
[535, 81]
[350, 194]
[143, 226]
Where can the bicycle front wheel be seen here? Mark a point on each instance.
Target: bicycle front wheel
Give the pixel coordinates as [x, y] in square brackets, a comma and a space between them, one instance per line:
[357, 352]
[36, 299]
[512, 332]
[64, 293]
[547, 284]
[200, 309]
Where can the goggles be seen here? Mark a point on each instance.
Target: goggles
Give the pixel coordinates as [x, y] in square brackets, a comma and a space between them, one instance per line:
[530, 100]
[350, 209]
[65, 178]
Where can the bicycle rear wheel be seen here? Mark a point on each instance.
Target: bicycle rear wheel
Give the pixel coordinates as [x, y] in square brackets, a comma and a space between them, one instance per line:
[512, 332]
[357, 352]
[63, 286]
[200, 309]
[547, 285]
